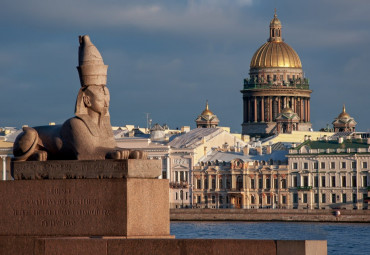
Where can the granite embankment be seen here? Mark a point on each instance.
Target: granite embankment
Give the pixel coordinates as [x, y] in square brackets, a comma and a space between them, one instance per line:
[362, 216]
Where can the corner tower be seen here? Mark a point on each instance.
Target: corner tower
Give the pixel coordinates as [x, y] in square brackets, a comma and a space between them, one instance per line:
[276, 81]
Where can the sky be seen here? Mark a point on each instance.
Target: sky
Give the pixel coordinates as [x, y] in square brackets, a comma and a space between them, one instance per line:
[168, 57]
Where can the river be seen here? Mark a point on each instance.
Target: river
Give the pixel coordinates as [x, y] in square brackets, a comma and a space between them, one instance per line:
[343, 238]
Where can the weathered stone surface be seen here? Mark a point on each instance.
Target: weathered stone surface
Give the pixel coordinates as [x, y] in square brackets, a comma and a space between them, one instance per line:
[85, 207]
[122, 246]
[87, 169]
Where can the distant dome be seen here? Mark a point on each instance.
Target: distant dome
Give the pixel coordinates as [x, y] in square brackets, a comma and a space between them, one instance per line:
[343, 114]
[287, 110]
[275, 52]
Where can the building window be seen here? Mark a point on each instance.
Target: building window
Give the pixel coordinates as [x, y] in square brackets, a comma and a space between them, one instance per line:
[343, 165]
[354, 181]
[260, 183]
[322, 165]
[221, 199]
[228, 184]
[353, 164]
[332, 165]
[344, 181]
[295, 198]
[182, 176]
[364, 165]
[205, 199]
[281, 77]
[213, 199]
[176, 196]
[295, 184]
[268, 184]
[276, 186]
[220, 184]
[252, 184]
[284, 199]
[316, 181]
[315, 165]
[268, 199]
[354, 198]
[164, 174]
[186, 196]
[288, 77]
[176, 176]
[344, 198]
[283, 183]
[253, 200]
[198, 199]
[316, 198]
[323, 184]
[305, 181]
[268, 78]
[206, 183]
[274, 77]
[323, 198]
[333, 181]
[333, 198]
[213, 183]
[305, 166]
[199, 183]
[364, 181]
[304, 198]
[295, 166]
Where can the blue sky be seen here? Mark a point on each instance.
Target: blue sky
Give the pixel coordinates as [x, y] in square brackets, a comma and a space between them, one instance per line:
[167, 58]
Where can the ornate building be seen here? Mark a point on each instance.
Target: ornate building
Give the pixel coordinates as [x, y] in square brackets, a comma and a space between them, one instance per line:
[344, 122]
[207, 119]
[276, 82]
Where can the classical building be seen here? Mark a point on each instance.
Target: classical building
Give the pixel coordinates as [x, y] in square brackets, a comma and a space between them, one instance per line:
[344, 122]
[207, 119]
[246, 181]
[276, 81]
[329, 173]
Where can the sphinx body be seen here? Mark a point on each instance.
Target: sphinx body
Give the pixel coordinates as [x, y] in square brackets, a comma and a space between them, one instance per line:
[89, 134]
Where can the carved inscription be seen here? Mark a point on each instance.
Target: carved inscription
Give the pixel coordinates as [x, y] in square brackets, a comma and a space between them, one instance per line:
[57, 206]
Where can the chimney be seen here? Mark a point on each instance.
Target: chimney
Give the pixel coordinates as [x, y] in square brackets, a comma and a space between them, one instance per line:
[246, 150]
[268, 149]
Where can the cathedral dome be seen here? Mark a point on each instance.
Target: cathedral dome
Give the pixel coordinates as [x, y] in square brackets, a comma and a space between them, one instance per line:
[344, 114]
[275, 52]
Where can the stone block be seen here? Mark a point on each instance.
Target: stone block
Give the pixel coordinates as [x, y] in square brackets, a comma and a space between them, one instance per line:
[86, 169]
[85, 207]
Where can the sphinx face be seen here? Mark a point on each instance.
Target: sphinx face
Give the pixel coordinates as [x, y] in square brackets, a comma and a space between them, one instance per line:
[99, 98]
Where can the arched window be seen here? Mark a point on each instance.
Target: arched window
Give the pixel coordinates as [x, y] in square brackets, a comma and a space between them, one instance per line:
[239, 183]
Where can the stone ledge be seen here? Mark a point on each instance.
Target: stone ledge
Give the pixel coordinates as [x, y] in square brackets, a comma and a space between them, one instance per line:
[115, 246]
[86, 169]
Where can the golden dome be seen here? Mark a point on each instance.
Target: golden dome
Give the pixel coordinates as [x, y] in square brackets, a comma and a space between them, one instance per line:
[207, 111]
[343, 114]
[275, 52]
[287, 110]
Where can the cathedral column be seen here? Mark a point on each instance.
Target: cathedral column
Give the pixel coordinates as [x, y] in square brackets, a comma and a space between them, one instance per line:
[255, 109]
[279, 105]
[309, 110]
[262, 109]
[270, 105]
[306, 110]
[301, 110]
[249, 110]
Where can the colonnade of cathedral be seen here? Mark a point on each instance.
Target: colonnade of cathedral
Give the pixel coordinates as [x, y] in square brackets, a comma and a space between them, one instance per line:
[267, 108]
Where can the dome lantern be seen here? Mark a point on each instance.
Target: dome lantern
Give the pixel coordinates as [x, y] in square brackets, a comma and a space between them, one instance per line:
[275, 29]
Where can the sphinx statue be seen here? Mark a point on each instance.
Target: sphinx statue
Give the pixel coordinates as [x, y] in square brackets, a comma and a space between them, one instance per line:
[88, 135]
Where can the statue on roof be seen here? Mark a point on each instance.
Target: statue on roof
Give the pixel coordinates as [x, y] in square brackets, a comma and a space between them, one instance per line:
[88, 135]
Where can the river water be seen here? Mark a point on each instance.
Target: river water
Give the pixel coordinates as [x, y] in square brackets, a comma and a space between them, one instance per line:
[343, 238]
